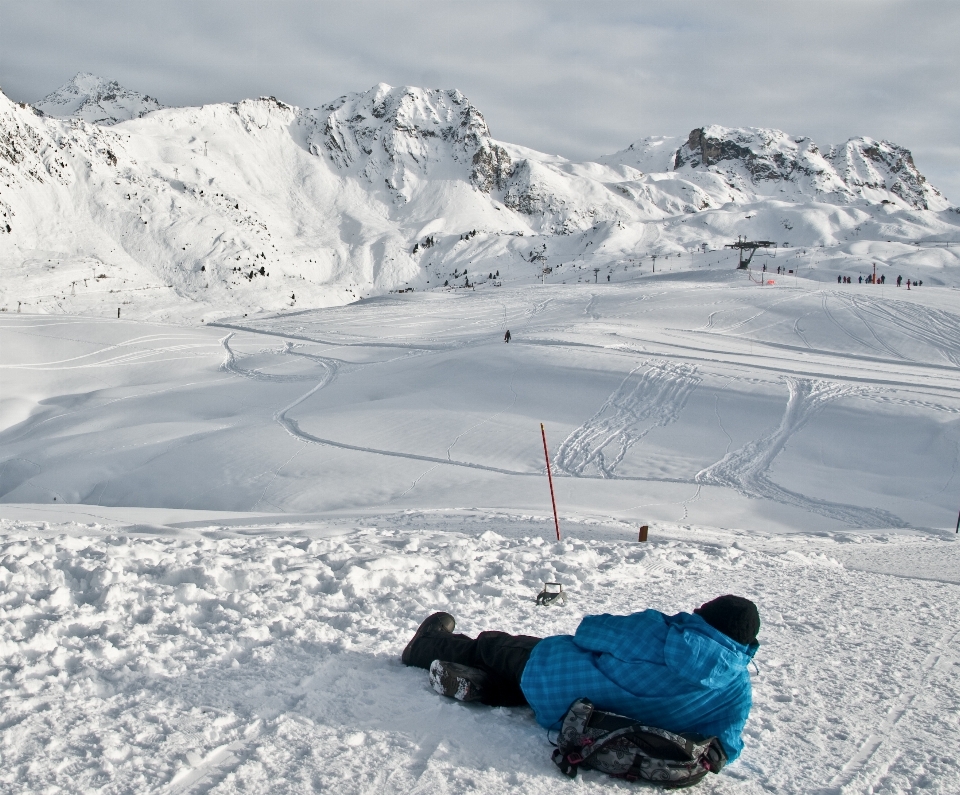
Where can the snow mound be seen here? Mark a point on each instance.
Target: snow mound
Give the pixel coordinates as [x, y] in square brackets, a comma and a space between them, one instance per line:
[96, 100]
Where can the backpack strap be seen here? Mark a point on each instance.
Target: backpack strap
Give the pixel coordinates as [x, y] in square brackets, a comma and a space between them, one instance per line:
[575, 724]
[569, 756]
[570, 761]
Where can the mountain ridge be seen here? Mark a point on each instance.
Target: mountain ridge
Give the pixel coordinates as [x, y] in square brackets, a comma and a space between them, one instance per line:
[263, 206]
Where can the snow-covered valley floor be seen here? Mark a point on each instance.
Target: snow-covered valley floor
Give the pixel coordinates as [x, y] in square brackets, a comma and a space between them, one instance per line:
[216, 541]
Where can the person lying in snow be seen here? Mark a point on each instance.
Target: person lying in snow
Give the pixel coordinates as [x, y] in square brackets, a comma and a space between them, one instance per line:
[684, 673]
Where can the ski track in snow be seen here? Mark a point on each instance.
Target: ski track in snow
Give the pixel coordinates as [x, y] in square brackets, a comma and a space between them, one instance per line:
[842, 327]
[231, 366]
[292, 427]
[746, 468]
[656, 396]
[868, 766]
[228, 663]
[927, 325]
[665, 413]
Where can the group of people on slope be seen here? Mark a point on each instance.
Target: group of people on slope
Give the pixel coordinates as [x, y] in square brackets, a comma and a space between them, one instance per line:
[872, 278]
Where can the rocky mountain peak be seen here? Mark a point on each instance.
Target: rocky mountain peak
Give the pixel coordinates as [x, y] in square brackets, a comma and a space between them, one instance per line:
[867, 165]
[96, 100]
[765, 154]
[753, 161]
[399, 134]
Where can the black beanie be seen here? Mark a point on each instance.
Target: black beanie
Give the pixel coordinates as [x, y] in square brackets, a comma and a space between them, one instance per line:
[734, 616]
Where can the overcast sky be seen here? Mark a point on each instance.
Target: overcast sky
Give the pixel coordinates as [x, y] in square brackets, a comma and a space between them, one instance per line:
[578, 79]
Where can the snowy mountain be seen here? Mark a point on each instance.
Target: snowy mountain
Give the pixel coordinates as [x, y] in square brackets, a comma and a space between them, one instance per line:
[96, 101]
[406, 135]
[759, 162]
[229, 209]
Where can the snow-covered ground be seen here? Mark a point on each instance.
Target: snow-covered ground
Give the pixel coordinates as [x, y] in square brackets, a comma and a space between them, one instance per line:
[217, 539]
[230, 660]
[688, 397]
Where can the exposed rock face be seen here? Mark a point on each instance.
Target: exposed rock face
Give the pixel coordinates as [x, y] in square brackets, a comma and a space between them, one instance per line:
[858, 169]
[764, 154]
[96, 101]
[395, 136]
[526, 194]
[863, 163]
[492, 167]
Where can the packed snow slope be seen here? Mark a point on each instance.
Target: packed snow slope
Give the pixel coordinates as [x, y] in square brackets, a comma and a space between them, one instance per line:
[699, 397]
[236, 208]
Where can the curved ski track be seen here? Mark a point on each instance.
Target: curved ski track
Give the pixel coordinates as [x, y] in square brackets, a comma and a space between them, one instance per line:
[658, 395]
[934, 327]
[332, 367]
[745, 469]
[230, 365]
[654, 394]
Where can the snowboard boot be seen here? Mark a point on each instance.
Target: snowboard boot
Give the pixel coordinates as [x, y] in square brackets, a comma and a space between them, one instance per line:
[438, 622]
[458, 681]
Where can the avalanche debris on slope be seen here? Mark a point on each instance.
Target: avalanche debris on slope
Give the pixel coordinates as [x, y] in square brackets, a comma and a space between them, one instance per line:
[222, 663]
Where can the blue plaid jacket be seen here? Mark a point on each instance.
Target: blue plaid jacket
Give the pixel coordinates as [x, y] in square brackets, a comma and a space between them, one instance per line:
[674, 672]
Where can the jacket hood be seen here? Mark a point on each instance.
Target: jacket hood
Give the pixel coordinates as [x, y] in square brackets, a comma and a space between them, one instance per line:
[697, 652]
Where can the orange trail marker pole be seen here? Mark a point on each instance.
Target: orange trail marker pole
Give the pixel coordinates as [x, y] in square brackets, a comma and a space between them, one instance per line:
[553, 499]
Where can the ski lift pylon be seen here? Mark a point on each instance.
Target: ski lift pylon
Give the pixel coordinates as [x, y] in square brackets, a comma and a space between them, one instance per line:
[745, 245]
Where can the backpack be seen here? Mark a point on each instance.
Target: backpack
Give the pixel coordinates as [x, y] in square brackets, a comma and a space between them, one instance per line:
[624, 748]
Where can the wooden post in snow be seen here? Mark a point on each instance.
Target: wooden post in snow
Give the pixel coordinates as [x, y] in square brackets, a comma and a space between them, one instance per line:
[553, 499]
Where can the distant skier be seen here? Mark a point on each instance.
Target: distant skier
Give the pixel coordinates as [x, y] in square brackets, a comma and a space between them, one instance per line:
[506, 337]
[839, 280]
[899, 280]
[685, 672]
[860, 280]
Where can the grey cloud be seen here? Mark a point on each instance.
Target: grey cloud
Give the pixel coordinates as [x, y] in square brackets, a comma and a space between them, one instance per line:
[578, 79]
